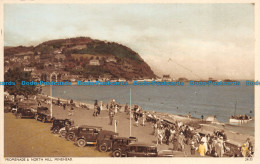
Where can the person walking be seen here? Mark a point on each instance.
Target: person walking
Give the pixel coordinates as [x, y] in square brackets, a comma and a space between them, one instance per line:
[244, 150]
[167, 135]
[144, 118]
[175, 142]
[192, 148]
[202, 149]
[111, 116]
[126, 108]
[159, 136]
[136, 118]
[172, 131]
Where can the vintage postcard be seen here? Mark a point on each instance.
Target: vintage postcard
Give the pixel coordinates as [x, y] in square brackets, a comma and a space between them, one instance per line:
[114, 82]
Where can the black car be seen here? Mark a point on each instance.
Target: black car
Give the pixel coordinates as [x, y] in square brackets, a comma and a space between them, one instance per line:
[87, 135]
[71, 131]
[120, 145]
[57, 124]
[146, 150]
[43, 114]
[105, 139]
[24, 113]
[8, 106]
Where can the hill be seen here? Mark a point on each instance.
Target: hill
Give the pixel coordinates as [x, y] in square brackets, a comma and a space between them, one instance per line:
[86, 57]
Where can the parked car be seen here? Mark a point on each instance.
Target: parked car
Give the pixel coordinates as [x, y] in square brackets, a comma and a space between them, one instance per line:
[24, 113]
[87, 135]
[71, 131]
[43, 114]
[143, 150]
[105, 139]
[14, 108]
[8, 106]
[120, 145]
[57, 124]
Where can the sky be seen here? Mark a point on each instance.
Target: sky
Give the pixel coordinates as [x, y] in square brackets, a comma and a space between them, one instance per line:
[196, 41]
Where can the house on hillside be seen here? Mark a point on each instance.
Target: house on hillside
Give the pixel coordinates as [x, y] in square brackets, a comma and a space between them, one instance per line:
[58, 51]
[48, 65]
[111, 59]
[29, 69]
[37, 57]
[60, 56]
[26, 57]
[79, 68]
[59, 66]
[94, 62]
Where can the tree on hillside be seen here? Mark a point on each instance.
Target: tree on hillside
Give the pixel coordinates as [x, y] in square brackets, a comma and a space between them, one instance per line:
[17, 76]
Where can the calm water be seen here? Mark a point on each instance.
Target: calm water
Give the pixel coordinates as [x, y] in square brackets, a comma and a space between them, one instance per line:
[198, 100]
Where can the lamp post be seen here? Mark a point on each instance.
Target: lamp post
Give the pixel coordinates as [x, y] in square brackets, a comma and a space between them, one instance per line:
[130, 113]
[51, 96]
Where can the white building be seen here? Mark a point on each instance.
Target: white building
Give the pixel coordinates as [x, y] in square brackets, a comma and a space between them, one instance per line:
[28, 69]
[111, 59]
[94, 62]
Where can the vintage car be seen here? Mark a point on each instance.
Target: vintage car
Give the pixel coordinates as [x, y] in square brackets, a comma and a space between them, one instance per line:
[24, 113]
[105, 139]
[69, 132]
[120, 145]
[142, 150]
[8, 106]
[58, 124]
[87, 135]
[43, 114]
[14, 108]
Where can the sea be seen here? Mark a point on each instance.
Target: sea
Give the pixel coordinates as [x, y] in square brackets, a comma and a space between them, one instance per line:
[199, 101]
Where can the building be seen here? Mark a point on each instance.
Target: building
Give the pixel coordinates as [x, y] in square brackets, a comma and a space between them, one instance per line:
[79, 68]
[166, 78]
[111, 59]
[94, 62]
[26, 57]
[29, 69]
[58, 51]
[60, 56]
[37, 57]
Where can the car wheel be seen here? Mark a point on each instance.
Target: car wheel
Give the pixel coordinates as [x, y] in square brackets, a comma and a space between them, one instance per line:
[55, 130]
[70, 137]
[117, 153]
[63, 133]
[103, 148]
[81, 142]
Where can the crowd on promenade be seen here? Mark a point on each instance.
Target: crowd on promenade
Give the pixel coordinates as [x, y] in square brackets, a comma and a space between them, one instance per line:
[177, 134]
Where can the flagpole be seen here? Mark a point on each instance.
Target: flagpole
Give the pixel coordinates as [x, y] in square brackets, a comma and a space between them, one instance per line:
[130, 116]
